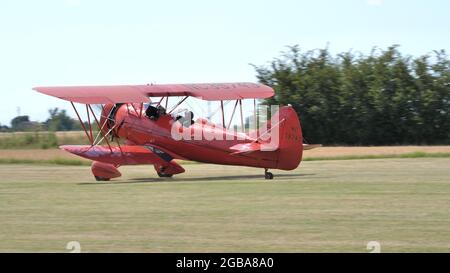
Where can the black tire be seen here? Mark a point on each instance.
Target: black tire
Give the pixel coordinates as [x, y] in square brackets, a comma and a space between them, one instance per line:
[166, 175]
[98, 178]
[268, 175]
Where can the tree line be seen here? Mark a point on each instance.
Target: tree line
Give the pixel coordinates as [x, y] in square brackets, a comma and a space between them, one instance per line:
[384, 98]
[58, 121]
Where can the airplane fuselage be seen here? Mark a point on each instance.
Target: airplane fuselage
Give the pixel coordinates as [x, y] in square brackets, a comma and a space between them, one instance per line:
[136, 128]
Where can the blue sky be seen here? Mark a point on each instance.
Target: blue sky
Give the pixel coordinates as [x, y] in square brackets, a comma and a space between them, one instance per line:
[99, 42]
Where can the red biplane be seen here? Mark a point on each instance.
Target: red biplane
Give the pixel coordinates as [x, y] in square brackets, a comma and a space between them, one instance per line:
[146, 132]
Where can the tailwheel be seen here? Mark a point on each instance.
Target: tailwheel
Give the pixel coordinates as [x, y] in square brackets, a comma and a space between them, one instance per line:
[168, 175]
[98, 178]
[268, 175]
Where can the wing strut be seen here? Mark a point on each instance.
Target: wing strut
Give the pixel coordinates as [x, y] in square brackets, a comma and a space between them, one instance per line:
[255, 117]
[242, 117]
[134, 108]
[82, 124]
[223, 114]
[89, 122]
[89, 133]
[159, 103]
[178, 104]
[100, 128]
[232, 114]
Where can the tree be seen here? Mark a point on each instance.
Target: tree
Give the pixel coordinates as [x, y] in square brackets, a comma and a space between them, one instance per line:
[382, 98]
[4, 128]
[60, 121]
[20, 123]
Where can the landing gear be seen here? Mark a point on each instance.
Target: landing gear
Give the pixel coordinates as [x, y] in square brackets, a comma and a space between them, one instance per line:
[268, 175]
[98, 178]
[104, 171]
[167, 175]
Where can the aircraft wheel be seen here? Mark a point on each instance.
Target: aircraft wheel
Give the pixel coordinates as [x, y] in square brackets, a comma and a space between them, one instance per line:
[164, 174]
[98, 178]
[268, 175]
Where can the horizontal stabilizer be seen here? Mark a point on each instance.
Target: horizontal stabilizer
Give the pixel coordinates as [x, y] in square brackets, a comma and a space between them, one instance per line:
[311, 146]
[253, 147]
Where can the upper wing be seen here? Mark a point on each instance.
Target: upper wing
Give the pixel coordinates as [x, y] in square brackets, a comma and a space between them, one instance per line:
[140, 93]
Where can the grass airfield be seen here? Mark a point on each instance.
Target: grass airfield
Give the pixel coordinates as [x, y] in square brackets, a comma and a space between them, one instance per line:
[323, 206]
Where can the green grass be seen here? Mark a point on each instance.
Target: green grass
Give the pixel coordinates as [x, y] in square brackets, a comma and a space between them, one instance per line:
[77, 162]
[323, 206]
[56, 161]
[381, 156]
[29, 140]
[40, 139]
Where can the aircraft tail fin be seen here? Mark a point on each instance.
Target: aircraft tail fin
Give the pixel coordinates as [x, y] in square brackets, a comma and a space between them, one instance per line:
[283, 137]
[290, 139]
[310, 146]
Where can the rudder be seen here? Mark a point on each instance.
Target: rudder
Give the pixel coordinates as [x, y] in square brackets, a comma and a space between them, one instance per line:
[290, 139]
